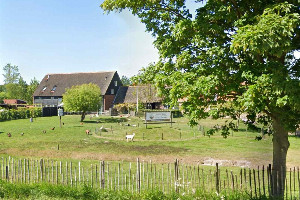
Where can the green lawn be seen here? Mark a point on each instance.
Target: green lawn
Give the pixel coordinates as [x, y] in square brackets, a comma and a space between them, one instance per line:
[159, 143]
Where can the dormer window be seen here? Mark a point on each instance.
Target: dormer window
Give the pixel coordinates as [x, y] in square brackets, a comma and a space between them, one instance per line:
[54, 88]
[116, 83]
[45, 87]
[112, 91]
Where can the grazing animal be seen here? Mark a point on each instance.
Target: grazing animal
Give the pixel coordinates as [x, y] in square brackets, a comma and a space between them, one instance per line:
[81, 123]
[22, 134]
[130, 137]
[44, 131]
[87, 132]
[53, 128]
[8, 134]
[63, 123]
[258, 138]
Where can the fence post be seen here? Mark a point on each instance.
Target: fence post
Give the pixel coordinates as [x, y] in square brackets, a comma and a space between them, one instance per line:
[6, 173]
[217, 178]
[103, 175]
[263, 179]
[250, 184]
[254, 178]
[176, 174]
[42, 171]
[138, 178]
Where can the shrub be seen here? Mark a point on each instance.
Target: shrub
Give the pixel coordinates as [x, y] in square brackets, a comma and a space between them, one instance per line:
[21, 113]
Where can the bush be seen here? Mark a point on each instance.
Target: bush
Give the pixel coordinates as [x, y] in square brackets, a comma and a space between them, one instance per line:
[21, 113]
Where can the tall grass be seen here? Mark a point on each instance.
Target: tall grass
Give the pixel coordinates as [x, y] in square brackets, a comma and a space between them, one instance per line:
[48, 191]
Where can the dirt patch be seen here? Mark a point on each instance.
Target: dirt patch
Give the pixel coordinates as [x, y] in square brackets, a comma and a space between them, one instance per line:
[163, 157]
[239, 163]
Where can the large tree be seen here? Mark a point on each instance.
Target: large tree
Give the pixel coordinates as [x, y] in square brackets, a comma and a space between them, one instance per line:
[126, 81]
[243, 51]
[34, 83]
[11, 73]
[82, 98]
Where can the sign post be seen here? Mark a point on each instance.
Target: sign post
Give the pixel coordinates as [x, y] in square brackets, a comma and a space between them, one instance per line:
[60, 113]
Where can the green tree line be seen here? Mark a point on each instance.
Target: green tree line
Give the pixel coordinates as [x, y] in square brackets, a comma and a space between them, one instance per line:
[15, 87]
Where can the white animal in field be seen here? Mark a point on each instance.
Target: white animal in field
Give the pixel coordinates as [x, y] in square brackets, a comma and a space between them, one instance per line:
[130, 137]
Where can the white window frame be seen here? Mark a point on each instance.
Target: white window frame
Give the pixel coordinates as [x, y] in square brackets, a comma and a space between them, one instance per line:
[112, 91]
[116, 83]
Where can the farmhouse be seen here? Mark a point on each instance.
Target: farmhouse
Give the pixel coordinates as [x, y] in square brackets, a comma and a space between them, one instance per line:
[52, 87]
[146, 95]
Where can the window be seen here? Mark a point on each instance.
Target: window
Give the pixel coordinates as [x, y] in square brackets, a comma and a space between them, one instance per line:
[45, 87]
[112, 91]
[54, 88]
[116, 83]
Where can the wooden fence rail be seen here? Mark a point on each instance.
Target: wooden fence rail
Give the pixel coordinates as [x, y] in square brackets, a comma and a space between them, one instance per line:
[140, 175]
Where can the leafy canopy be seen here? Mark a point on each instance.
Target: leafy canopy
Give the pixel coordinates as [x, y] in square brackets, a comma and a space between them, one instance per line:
[242, 51]
[82, 98]
[11, 73]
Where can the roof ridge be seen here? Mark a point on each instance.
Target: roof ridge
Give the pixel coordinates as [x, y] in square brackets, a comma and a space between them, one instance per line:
[82, 72]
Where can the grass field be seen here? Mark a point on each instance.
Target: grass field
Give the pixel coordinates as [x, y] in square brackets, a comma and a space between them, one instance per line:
[57, 192]
[160, 143]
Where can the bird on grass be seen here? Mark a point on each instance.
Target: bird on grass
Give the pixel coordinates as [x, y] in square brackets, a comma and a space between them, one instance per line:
[44, 131]
[53, 128]
[8, 134]
[21, 134]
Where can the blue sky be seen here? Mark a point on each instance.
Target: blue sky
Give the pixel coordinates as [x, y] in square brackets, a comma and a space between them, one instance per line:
[64, 36]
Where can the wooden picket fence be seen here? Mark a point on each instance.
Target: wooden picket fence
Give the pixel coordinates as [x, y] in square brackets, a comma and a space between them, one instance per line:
[140, 175]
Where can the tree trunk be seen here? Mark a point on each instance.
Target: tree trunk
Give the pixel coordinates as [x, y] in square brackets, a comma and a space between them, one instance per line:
[280, 148]
[82, 116]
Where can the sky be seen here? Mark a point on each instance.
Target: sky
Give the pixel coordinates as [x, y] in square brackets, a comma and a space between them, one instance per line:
[65, 36]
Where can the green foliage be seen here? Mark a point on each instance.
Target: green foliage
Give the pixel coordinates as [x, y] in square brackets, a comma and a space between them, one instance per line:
[237, 51]
[125, 107]
[21, 113]
[240, 51]
[82, 98]
[11, 73]
[48, 191]
[15, 86]
[34, 83]
[126, 81]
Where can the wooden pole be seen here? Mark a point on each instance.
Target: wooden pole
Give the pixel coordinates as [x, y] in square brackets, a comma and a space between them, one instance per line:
[52, 172]
[291, 194]
[217, 178]
[79, 168]
[138, 175]
[298, 181]
[42, 171]
[263, 179]
[254, 183]
[250, 184]
[56, 173]
[103, 175]
[129, 185]
[258, 178]
[232, 181]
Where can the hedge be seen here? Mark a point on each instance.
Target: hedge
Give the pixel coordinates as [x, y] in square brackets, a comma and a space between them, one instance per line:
[21, 113]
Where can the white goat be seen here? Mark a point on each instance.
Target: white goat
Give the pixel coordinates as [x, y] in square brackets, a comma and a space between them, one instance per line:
[130, 137]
